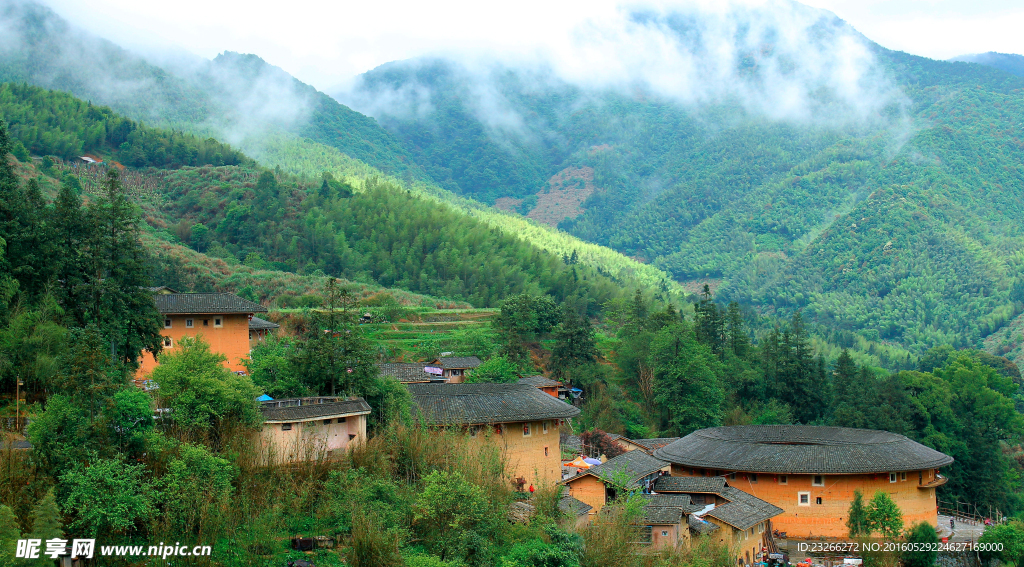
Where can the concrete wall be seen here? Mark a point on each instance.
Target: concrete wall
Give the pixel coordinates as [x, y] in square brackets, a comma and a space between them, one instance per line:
[231, 339]
[828, 519]
[310, 439]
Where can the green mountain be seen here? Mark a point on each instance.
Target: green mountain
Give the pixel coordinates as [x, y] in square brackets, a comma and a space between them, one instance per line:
[1008, 62]
[894, 214]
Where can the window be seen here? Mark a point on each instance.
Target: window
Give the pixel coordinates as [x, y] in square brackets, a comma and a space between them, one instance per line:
[664, 533]
[473, 430]
[817, 500]
[327, 422]
[206, 322]
[753, 477]
[188, 323]
[892, 477]
[167, 323]
[783, 479]
[342, 419]
[818, 480]
[545, 428]
[218, 322]
[286, 427]
[804, 498]
[732, 476]
[526, 430]
[168, 343]
[250, 335]
[903, 476]
[545, 451]
[498, 429]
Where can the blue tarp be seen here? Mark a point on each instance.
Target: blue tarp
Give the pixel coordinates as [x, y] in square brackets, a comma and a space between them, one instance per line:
[264, 398]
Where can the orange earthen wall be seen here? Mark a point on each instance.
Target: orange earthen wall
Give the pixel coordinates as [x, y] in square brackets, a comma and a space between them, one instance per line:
[828, 519]
[526, 454]
[746, 544]
[589, 490]
[231, 340]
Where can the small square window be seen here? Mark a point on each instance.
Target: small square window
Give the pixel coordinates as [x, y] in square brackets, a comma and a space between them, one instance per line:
[892, 477]
[753, 477]
[342, 419]
[327, 422]
[903, 476]
[526, 430]
[188, 323]
[664, 533]
[286, 427]
[545, 451]
[218, 321]
[545, 428]
[732, 476]
[818, 480]
[168, 342]
[817, 500]
[167, 323]
[783, 479]
[804, 498]
[250, 335]
[499, 429]
[206, 322]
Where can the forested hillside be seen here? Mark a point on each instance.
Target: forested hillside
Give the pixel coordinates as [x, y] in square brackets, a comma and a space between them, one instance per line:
[902, 226]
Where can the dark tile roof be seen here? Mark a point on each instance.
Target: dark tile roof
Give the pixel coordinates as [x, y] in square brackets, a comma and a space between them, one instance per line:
[569, 505]
[460, 362]
[257, 324]
[278, 411]
[652, 444]
[452, 404]
[662, 516]
[681, 501]
[183, 303]
[700, 526]
[539, 382]
[794, 449]
[635, 464]
[405, 371]
[742, 516]
[571, 442]
[689, 484]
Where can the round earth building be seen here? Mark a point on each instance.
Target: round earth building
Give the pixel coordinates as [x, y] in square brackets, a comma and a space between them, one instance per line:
[812, 472]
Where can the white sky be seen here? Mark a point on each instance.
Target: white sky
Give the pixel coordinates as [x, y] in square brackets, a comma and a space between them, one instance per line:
[327, 43]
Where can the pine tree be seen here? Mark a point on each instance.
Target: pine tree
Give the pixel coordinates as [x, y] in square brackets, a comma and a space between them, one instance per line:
[9, 535]
[46, 524]
[574, 343]
[857, 521]
[70, 233]
[739, 342]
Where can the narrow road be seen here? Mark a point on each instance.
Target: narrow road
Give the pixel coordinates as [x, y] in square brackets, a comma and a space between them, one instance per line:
[963, 530]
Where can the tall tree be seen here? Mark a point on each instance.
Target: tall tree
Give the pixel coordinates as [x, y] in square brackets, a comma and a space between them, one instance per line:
[575, 343]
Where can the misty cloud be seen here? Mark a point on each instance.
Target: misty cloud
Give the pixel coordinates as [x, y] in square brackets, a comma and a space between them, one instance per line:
[778, 60]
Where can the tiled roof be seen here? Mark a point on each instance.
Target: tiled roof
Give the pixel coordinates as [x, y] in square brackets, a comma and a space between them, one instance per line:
[257, 324]
[452, 404]
[569, 505]
[689, 484]
[662, 516]
[740, 515]
[681, 501]
[801, 449]
[700, 526]
[183, 303]
[459, 362]
[539, 382]
[276, 413]
[571, 442]
[405, 371]
[636, 464]
[652, 444]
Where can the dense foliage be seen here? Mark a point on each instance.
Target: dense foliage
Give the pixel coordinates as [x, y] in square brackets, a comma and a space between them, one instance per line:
[51, 123]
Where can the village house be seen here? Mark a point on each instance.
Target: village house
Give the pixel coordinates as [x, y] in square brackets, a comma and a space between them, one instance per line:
[599, 484]
[259, 330]
[453, 369]
[546, 385]
[733, 517]
[665, 523]
[408, 372]
[222, 319]
[811, 472]
[300, 429]
[523, 421]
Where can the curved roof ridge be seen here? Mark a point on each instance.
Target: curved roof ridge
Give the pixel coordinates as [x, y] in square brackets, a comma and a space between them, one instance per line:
[799, 449]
